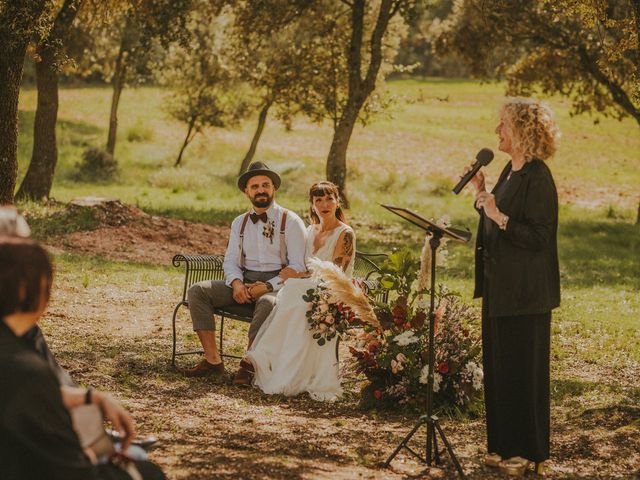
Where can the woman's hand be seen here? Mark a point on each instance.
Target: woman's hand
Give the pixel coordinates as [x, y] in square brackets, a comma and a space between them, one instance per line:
[258, 289]
[90, 454]
[487, 202]
[287, 272]
[117, 415]
[477, 180]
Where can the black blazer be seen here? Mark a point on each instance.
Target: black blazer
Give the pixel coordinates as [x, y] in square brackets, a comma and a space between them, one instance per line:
[523, 274]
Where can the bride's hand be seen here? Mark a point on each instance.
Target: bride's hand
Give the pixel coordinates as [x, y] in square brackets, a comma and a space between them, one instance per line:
[287, 272]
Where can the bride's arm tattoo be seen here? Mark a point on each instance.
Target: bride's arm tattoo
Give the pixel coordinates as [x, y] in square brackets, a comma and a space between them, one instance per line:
[344, 251]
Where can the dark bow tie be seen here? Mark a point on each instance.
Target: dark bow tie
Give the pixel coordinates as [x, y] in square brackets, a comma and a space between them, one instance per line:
[255, 217]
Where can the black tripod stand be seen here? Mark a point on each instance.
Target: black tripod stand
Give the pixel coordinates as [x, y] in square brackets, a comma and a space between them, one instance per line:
[429, 419]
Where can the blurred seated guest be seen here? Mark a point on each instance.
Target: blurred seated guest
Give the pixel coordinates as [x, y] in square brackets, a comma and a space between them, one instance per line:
[518, 278]
[14, 224]
[37, 438]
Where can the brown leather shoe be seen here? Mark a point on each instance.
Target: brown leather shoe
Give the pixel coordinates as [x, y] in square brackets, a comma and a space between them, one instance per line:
[247, 365]
[205, 369]
[243, 377]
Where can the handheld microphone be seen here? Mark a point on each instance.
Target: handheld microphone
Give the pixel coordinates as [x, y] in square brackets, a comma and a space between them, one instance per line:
[483, 158]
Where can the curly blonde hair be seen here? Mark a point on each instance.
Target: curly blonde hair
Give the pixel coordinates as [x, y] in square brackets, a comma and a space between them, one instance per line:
[531, 126]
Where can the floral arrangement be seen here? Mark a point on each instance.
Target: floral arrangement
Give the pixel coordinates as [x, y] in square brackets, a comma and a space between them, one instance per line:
[327, 319]
[394, 357]
[336, 303]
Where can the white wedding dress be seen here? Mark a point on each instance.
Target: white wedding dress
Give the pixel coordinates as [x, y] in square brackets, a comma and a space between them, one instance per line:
[286, 358]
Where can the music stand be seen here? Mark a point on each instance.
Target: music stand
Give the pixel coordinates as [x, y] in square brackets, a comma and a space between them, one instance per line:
[433, 426]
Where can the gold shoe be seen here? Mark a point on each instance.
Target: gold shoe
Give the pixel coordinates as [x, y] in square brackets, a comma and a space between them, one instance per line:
[492, 460]
[514, 466]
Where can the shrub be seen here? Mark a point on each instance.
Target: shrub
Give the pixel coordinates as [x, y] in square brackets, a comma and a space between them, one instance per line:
[139, 133]
[96, 165]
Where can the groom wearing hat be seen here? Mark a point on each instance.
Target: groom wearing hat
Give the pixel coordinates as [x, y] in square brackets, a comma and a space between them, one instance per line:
[262, 242]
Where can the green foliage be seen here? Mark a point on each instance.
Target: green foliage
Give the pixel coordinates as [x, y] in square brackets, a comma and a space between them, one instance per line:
[24, 21]
[416, 54]
[54, 220]
[588, 51]
[296, 57]
[205, 90]
[96, 165]
[139, 133]
[137, 31]
[399, 272]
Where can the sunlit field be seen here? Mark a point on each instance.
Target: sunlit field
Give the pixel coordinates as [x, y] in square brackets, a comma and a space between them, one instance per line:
[409, 156]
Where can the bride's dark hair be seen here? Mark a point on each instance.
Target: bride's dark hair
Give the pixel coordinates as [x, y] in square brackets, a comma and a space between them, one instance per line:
[321, 189]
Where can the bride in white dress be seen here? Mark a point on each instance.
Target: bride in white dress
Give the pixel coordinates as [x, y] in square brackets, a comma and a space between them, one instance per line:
[284, 356]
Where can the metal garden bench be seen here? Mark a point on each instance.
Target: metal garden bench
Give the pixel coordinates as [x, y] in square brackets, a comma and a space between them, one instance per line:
[199, 268]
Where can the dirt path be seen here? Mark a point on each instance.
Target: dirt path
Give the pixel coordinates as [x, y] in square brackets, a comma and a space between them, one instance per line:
[215, 430]
[118, 339]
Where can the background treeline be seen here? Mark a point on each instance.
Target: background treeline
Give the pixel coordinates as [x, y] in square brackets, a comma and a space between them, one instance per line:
[225, 61]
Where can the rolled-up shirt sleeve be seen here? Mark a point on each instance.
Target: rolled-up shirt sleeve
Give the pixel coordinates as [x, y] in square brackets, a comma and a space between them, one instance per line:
[232, 270]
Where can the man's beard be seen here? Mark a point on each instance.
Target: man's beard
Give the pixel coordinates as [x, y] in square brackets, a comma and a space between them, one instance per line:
[261, 201]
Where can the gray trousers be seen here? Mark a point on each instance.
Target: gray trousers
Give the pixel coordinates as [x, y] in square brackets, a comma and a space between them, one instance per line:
[203, 297]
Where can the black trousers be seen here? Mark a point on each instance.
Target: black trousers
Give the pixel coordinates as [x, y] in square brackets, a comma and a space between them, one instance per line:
[515, 352]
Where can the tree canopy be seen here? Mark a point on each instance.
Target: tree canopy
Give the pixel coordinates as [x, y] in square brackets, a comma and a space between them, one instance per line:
[585, 50]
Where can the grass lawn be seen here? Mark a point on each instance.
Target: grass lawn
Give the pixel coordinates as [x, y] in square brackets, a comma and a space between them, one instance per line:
[409, 156]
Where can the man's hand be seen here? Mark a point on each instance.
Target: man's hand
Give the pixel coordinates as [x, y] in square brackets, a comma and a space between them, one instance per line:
[240, 292]
[118, 416]
[256, 290]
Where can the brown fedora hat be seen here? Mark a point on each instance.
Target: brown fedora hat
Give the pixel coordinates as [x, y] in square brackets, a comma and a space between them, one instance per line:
[255, 169]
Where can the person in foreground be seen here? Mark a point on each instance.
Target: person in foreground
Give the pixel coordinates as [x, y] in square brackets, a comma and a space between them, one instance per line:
[12, 224]
[284, 358]
[262, 242]
[518, 278]
[37, 438]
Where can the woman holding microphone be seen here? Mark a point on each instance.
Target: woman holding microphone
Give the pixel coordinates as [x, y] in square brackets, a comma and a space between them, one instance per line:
[518, 278]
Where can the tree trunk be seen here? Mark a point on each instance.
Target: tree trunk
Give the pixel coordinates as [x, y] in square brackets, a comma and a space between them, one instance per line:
[36, 185]
[636, 9]
[262, 120]
[187, 140]
[119, 77]
[359, 88]
[337, 159]
[11, 64]
[638, 217]
[39, 178]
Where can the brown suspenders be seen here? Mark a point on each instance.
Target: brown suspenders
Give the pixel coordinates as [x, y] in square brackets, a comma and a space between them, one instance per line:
[283, 243]
[244, 224]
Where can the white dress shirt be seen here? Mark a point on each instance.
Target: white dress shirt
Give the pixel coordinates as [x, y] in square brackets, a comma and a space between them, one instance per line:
[262, 254]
